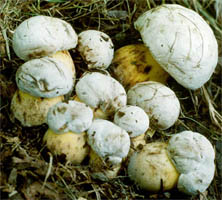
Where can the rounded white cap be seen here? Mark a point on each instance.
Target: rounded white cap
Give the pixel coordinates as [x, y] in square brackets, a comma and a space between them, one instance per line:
[73, 116]
[181, 42]
[101, 91]
[133, 119]
[108, 140]
[44, 77]
[96, 48]
[40, 36]
[193, 156]
[158, 101]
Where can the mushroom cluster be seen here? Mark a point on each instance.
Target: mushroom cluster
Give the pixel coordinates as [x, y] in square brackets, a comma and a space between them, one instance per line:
[112, 113]
[48, 73]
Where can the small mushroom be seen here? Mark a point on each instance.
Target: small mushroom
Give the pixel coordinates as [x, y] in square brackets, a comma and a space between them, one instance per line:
[73, 116]
[108, 140]
[45, 77]
[72, 145]
[133, 119]
[181, 42]
[134, 63]
[30, 110]
[41, 36]
[158, 101]
[193, 156]
[151, 169]
[101, 91]
[96, 48]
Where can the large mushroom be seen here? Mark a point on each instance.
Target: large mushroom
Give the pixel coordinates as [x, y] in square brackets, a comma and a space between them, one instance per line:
[181, 42]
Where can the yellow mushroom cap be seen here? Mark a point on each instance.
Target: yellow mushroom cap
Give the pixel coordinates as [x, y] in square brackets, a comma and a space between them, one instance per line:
[151, 168]
[65, 57]
[134, 63]
[30, 110]
[72, 145]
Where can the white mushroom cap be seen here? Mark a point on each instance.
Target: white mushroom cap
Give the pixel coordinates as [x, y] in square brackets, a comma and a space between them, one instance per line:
[193, 156]
[108, 140]
[133, 119]
[96, 48]
[185, 46]
[45, 77]
[151, 169]
[158, 101]
[72, 145]
[40, 36]
[197, 180]
[189, 150]
[29, 110]
[73, 116]
[100, 91]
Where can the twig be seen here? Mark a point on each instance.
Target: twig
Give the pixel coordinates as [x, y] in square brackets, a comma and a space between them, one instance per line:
[49, 170]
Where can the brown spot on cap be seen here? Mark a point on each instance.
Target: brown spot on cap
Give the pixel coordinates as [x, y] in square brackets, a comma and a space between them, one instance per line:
[120, 114]
[37, 54]
[19, 97]
[105, 38]
[62, 110]
[147, 69]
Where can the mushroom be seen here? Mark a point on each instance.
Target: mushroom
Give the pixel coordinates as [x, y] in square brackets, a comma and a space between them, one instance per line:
[109, 146]
[41, 36]
[185, 45]
[101, 91]
[108, 140]
[151, 169]
[133, 119]
[133, 64]
[158, 101]
[46, 77]
[72, 116]
[30, 110]
[72, 145]
[193, 156]
[96, 48]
